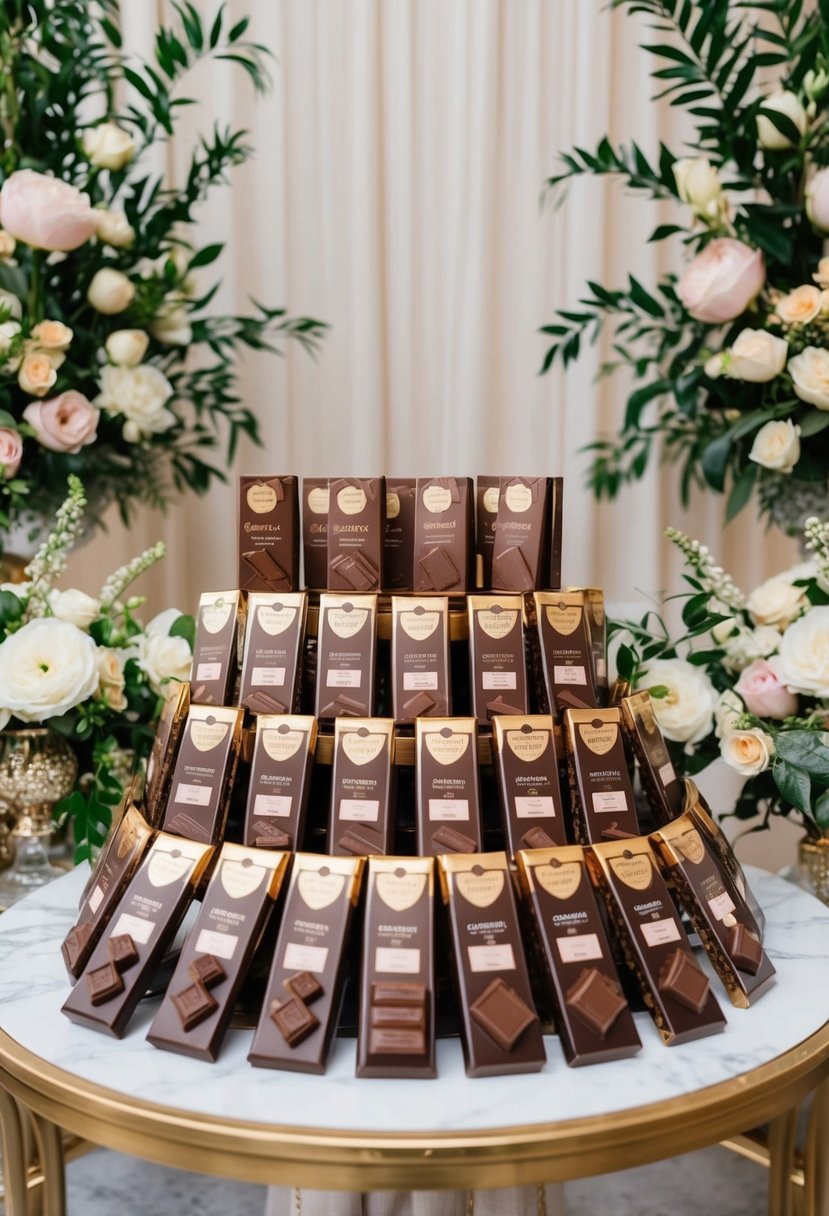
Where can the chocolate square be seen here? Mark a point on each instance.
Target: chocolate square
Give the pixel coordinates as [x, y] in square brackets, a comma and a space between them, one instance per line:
[745, 949]
[500, 1012]
[595, 1000]
[398, 1017]
[387, 1041]
[448, 840]
[207, 970]
[122, 951]
[193, 1004]
[305, 985]
[401, 992]
[361, 841]
[74, 944]
[104, 983]
[537, 838]
[682, 978]
[293, 1019]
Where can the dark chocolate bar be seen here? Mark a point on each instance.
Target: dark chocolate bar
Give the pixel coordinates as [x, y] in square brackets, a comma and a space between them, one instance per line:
[398, 993]
[521, 552]
[525, 757]
[274, 638]
[277, 839]
[280, 781]
[600, 785]
[207, 970]
[315, 498]
[356, 527]
[362, 787]
[682, 978]
[443, 541]
[537, 838]
[346, 656]
[447, 840]
[746, 949]
[268, 530]
[446, 777]
[398, 540]
[216, 647]
[420, 657]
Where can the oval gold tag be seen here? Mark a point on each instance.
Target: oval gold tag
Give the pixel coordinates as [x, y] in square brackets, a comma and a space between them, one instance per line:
[599, 739]
[497, 624]
[319, 890]
[480, 889]
[530, 746]
[281, 747]
[275, 620]
[392, 505]
[446, 749]
[207, 735]
[419, 625]
[437, 499]
[240, 880]
[318, 500]
[690, 846]
[560, 881]
[564, 618]
[400, 891]
[163, 868]
[351, 500]
[635, 871]
[362, 749]
[261, 499]
[346, 624]
[215, 616]
[518, 497]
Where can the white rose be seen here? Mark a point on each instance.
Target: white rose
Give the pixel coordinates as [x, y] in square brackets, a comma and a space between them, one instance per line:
[110, 291]
[777, 601]
[750, 644]
[727, 713]
[804, 654]
[748, 752]
[817, 200]
[111, 677]
[171, 325]
[114, 229]
[756, 356]
[781, 102]
[127, 347]
[800, 306]
[777, 446]
[697, 182]
[821, 275]
[810, 376]
[8, 332]
[109, 146]
[11, 303]
[74, 606]
[139, 394]
[161, 657]
[47, 668]
[686, 714]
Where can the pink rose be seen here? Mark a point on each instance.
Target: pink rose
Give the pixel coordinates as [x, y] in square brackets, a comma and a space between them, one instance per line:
[11, 452]
[45, 212]
[721, 282]
[763, 692]
[64, 423]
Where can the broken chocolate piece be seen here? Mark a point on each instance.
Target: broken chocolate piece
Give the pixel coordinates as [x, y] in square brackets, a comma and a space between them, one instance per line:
[356, 571]
[398, 1017]
[305, 985]
[193, 1004]
[184, 825]
[122, 951]
[269, 570]
[293, 1020]
[418, 705]
[596, 1000]
[745, 949]
[513, 573]
[274, 840]
[207, 970]
[264, 703]
[104, 983]
[361, 841]
[387, 1041]
[616, 833]
[500, 706]
[74, 944]
[400, 993]
[500, 1012]
[682, 978]
[448, 840]
[537, 838]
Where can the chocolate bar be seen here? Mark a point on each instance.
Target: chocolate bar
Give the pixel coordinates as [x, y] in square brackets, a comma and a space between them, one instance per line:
[122, 952]
[500, 706]
[271, 666]
[700, 812]
[315, 498]
[359, 842]
[420, 657]
[447, 840]
[521, 553]
[745, 948]
[446, 779]
[398, 539]
[398, 1017]
[595, 619]
[234, 913]
[563, 651]
[401, 993]
[496, 655]
[219, 626]
[280, 781]
[600, 786]
[356, 527]
[527, 773]
[293, 1019]
[346, 656]
[164, 751]
[362, 787]
[204, 773]
[268, 534]
[537, 838]
[312, 941]
[443, 535]
[659, 778]
[487, 490]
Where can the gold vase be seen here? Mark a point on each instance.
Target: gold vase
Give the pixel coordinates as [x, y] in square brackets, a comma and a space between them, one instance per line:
[813, 867]
[37, 768]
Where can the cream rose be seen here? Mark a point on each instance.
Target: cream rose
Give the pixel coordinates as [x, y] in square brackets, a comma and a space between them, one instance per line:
[800, 306]
[11, 304]
[749, 644]
[171, 325]
[74, 606]
[127, 347]
[47, 668]
[821, 275]
[11, 452]
[763, 691]
[817, 200]
[777, 446]
[115, 229]
[777, 601]
[721, 281]
[37, 374]
[52, 335]
[7, 245]
[44, 212]
[65, 423]
[9, 330]
[139, 394]
[111, 676]
[110, 291]
[697, 183]
[785, 103]
[810, 376]
[804, 654]
[748, 752]
[109, 146]
[756, 356]
[727, 713]
[686, 713]
[161, 657]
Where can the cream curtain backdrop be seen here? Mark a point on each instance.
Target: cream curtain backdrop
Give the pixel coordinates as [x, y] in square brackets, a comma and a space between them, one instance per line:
[396, 193]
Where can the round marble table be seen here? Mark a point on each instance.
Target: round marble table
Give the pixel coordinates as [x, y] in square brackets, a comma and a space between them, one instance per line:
[337, 1132]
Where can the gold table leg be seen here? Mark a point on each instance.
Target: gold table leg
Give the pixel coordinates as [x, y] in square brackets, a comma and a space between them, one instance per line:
[15, 1157]
[782, 1136]
[50, 1151]
[816, 1152]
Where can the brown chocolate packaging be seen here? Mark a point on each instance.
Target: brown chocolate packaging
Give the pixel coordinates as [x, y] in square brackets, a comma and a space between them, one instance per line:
[564, 651]
[268, 534]
[396, 1035]
[274, 638]
[498, 665]
[527, 772]
[356, 533]
[486, 515]
[308, 966]
[420, 657]
[346, 656]
[443, 546]
[593, 1018]
[659, 777]
[362, 787]
[716, 837]
[219, 628]
[521, 552]
[200, 998]
[500, 1029]
[280, 780]
[149, 913]
[601, 792]
[164, 751]
[596, 620]
[447, 788]
[398, 542]
[315, 498]
[556, 529]
[203, 776]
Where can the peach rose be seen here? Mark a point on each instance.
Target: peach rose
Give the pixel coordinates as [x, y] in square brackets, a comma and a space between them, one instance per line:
[763, 692]
[45, 212]
[37, 374]
[52, 335]
[800, 306]
[721, 281]
[65, 423]
[11, 452]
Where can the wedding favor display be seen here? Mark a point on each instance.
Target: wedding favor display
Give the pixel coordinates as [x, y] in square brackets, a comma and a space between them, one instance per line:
[521, 806]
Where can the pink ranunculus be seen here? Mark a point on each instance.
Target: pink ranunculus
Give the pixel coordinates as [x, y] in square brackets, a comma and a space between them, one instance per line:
[763, 692]
[64, 423]
[45, 212]
[721, 281]
[11, 452]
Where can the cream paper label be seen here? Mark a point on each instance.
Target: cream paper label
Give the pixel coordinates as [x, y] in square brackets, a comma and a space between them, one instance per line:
[579, 949]
[446, 749]
[562, 881]
[518, 497]
[660, 932]
[491, 958]
[261, 499]
[207, 734]
[346, 624]
[362, 748]
[392, 505]
[535, 806]
[242, 878]
[599, 739]
[221, 945]
[437, 499]
[480, 889]
[400, 891]
[279, 745]
[419, 625]
[397, 961]
[564, 618]
[275, 619]
[139, 929]
[319, 890]
[528, 746]
[299, 957]
[318, 500]
[635, 871]
[490, 499]
[497, 624]
[215, 616]
[351, 500]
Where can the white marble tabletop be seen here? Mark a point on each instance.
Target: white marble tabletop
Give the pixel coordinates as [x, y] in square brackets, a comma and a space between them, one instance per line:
[33, 985]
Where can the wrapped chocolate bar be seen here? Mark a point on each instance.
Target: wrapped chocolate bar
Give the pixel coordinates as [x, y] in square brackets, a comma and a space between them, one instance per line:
[280, 781]
[521, 554]
[396, 1034]
[315, 531]
[271, 665]
[302, 998]
[498, 666]
[486, 514]
[600, 787]
[562, 642]
[345, 656]
[443, 535]
[268, 534]
[596, 621]
[118, 860]
[527, 772]
[203, 777]
[398, 541]
[556, 529]
[362, 787]
[716, 837]
[420, 657]
[356, 529]
[219, 627]
[446, 784]
[164, 750]
[500, 1030]
[200, 998]
[593, 1017]
[719, 913]
[140, 931]
[676, 990]
[658, 775]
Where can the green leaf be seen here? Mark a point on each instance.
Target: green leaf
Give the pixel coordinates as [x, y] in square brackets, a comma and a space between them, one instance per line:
[8, 420]
[813, 423]
[184, 627]
[741, 491]
[205, 256]
[625, 662]
[11, 608]
[714, 461]
[806, 749]
[821, 811]
[793, 784]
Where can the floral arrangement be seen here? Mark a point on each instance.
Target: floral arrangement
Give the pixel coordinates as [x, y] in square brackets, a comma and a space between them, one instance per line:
[100, 303]
[729, 360]
[748, 679]
[86, 666]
